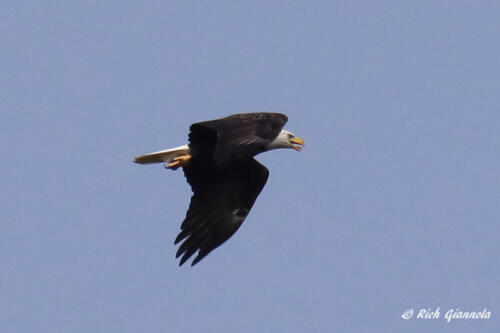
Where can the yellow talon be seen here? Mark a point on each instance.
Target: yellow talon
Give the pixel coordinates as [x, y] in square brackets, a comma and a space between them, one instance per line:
[180, 161]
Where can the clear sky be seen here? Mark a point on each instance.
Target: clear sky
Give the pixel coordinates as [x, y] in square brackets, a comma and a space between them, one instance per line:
[393, 204]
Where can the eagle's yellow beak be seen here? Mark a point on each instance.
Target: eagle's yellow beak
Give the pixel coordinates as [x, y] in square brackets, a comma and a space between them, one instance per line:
[297, 142]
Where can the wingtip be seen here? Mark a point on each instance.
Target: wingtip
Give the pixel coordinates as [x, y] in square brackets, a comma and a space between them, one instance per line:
[183, 260]
[179, 253]
[180, 237]
[195, 261]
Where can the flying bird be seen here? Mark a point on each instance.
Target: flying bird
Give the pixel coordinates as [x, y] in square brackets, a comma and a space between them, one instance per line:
[218, 163]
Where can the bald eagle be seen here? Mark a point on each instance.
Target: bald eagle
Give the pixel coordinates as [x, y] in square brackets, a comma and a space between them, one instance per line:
[225, 178]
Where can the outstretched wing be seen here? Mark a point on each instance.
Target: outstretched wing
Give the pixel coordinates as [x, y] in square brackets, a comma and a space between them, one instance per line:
[235, 137]
[222, 199]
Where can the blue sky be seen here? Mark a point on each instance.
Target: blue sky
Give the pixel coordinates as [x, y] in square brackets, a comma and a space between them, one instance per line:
[393, 204]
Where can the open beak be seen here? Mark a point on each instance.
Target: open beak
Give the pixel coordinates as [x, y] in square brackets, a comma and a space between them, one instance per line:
[298, 143]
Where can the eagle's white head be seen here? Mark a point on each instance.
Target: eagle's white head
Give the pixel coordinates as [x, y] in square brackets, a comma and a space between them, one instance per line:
[287, 139]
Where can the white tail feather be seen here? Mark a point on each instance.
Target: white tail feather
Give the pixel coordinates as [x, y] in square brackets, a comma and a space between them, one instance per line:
[163, 156]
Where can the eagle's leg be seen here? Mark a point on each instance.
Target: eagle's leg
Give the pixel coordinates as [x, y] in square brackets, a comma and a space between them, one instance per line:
[177, 162]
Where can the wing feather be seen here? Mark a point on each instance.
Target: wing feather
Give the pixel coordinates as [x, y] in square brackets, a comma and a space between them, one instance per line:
[222, 198]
